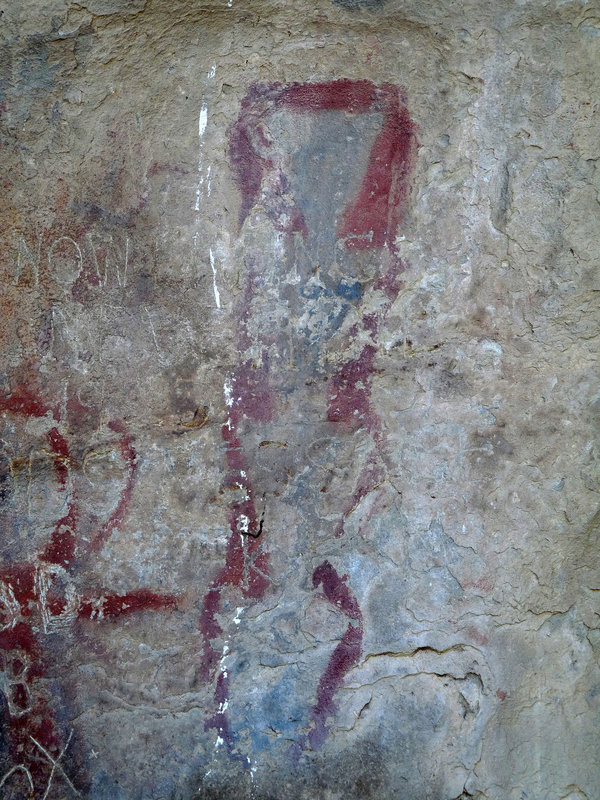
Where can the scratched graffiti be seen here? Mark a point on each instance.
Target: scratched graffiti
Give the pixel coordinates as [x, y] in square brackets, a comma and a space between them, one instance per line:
[40, 596]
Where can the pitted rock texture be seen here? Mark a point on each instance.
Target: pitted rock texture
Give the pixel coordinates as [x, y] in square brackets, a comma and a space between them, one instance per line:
[298, 400]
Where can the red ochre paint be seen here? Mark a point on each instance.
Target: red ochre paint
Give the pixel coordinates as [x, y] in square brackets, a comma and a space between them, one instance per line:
[107, 605]
[60, 448]
[246, 563]
[345, 656]
[30, 709]
[220, 720]
[129, 455]
[371, 219]
[350, 390]
[391, 283]
[24, 401]
[61, 547]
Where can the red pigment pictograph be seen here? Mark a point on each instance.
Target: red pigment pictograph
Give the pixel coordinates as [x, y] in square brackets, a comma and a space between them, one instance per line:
[247, 562]
[369, 221]
[345, 656]
[39, 597]
[371, 218]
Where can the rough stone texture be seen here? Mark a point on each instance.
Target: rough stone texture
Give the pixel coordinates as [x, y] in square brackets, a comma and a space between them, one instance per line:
[299, 472]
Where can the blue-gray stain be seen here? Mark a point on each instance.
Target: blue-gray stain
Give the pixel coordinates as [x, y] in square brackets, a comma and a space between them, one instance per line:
[349, 291]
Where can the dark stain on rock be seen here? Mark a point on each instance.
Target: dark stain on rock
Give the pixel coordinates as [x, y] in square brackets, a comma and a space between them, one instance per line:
[199, 419]
[489, 449]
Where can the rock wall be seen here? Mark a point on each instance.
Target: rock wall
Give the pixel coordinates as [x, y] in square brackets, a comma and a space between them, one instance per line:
[298, 400]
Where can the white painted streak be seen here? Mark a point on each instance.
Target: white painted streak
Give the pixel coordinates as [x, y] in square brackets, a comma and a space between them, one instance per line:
[228, 392]
[237, 619]
[214, 271]
[202, 120]
[202, 123]
[244, 523]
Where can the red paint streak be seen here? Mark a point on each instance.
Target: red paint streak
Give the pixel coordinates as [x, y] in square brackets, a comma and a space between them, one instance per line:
[335, 590]
[248, 164]
[110, 606]
[372, 218]
[345, 655]
[21, 578]
[129, 455]
[30, 714]
[20, 637]
[220, 720]
[371, 324]
[253, 398]
[210, 629]
[24, 401]
[60, 448]
[58, 443]
[390, 282]
[354, 97]
[61, 547]
[246, 563]
[350, 390]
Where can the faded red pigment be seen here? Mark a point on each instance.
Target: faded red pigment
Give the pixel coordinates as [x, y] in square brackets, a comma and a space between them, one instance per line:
[371, 219]
[31, 599]
[247, 562]
[130, 458]
[345, 656]
[349, 394]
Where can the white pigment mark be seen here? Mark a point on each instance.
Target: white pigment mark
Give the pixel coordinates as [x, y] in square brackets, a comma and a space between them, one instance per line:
[202, 120]
[244, 523]
[227, 391]
[214, 271]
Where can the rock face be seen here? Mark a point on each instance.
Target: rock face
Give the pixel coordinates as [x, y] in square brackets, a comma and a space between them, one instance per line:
[298, 403]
